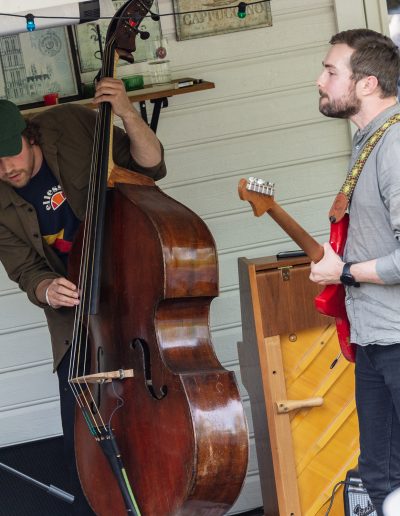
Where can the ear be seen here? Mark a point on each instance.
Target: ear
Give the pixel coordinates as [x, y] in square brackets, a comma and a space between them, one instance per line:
[31, 141]
[369, 85]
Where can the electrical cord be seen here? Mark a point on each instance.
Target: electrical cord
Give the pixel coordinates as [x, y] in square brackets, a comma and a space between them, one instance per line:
[127, 18]
[335, 489]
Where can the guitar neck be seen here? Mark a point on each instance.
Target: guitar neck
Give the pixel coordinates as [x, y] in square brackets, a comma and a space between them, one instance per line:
[306, 242]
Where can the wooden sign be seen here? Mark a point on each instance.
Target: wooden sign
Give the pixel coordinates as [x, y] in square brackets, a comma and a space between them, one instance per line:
[210, 20]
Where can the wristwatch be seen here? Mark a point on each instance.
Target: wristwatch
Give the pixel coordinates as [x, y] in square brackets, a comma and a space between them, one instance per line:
[347, 278]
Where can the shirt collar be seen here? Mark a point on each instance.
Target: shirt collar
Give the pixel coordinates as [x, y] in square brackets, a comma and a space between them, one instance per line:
[376, 123]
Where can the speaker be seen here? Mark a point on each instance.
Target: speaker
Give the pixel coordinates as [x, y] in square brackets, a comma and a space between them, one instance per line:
[356, 499]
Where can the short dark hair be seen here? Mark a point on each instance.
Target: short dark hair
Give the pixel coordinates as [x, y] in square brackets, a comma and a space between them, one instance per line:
[374, 54]
[32, 132]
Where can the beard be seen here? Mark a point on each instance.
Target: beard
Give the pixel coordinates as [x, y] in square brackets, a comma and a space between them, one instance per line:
[344, 107]
[17, 178]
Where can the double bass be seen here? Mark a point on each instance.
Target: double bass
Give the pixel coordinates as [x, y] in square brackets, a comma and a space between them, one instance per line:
[160, 428]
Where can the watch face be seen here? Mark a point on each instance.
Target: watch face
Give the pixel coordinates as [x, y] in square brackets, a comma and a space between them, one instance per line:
[347, 279]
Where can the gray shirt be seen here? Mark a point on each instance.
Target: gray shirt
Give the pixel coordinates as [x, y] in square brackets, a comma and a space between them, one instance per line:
[374, 232]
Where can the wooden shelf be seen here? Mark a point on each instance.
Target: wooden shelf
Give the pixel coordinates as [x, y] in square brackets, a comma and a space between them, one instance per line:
[167, 90]
[147, 93]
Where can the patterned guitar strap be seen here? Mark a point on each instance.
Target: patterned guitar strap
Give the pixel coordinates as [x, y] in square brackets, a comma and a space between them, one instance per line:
[342, 200]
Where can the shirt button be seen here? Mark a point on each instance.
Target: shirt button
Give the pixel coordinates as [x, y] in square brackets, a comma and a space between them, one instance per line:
[348, 302]
[357, 147]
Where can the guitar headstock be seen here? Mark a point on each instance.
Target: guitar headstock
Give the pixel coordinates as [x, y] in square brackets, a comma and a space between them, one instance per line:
[259, 193]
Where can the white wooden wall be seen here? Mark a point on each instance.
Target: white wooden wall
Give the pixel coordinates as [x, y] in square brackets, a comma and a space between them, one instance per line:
[262, 119]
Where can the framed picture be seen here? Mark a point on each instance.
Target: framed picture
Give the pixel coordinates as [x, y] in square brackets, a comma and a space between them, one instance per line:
[89, 46]
[36, 63]
[217, 21]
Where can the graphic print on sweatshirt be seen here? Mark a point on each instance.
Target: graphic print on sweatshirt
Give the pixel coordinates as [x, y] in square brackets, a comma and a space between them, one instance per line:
[57, 222]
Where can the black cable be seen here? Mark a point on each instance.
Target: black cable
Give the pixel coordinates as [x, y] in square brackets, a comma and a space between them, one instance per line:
[128, 18]
[334, 491]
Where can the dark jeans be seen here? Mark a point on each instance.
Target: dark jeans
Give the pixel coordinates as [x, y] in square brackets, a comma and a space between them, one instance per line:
[67, 401]
[378, 406]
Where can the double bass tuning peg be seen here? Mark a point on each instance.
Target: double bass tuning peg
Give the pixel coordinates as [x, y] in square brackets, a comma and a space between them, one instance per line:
[132, 24]
[154, 16]
[143, 34]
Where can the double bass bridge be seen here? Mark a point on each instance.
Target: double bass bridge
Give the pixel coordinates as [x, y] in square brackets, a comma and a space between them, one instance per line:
[104, 377]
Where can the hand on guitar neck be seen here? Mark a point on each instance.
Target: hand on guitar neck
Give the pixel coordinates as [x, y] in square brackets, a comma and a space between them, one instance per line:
[327, 265]
[329, 269]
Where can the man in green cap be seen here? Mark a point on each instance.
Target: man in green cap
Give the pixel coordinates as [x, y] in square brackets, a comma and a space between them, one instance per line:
[44, 175]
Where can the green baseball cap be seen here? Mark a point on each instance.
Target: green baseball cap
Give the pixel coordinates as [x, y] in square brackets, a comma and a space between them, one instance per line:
[12, 124]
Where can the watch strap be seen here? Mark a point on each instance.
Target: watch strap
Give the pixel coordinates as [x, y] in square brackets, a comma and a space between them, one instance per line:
[346, 272]
[346, 268]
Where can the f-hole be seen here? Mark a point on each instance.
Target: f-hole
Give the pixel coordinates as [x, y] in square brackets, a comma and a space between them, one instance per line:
[142, 344]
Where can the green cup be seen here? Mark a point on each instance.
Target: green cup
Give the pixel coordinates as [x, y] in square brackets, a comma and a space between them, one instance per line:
[133, 82]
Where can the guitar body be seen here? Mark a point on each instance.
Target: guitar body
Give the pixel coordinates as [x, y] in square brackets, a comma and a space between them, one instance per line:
[331, 301]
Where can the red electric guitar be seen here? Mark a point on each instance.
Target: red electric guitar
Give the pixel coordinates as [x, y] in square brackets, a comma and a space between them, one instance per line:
[330, 301]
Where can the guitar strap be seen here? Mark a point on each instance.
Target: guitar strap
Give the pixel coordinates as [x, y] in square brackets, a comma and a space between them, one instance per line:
[343, 198]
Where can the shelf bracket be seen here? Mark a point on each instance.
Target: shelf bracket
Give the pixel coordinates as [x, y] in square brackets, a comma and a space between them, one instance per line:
[159, 103]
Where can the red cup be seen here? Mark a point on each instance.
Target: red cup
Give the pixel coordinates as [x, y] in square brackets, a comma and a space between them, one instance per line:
[50, 99]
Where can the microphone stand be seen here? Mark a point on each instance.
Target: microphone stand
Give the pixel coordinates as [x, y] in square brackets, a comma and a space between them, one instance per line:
[55, 491]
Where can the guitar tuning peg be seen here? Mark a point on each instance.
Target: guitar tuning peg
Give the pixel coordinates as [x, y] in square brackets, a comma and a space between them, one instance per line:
[260, 182]
[252, 179]
[270, 184]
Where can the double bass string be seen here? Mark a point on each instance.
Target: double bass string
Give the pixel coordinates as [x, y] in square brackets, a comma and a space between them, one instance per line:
[79, 312]
[88, 285]
[80, 336]
[92, 244]
[79, 323]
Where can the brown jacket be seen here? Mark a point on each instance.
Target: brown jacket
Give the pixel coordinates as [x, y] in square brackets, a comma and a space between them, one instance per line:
[66, 141]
